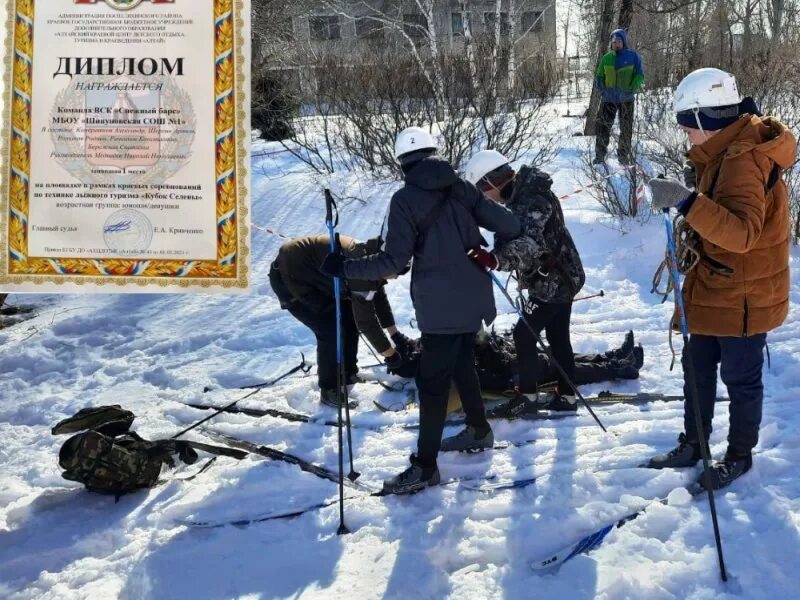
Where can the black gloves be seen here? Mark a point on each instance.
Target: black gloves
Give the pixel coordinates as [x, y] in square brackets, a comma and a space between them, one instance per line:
[404, 344]
[333, 265]
[393, 363]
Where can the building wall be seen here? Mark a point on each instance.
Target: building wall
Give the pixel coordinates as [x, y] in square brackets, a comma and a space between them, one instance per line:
[291, 59]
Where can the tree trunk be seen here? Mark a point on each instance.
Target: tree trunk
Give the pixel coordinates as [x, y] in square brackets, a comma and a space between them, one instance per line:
[603, 33]
[626, 14]
[776, 19]
[469, 45]
[512, 38]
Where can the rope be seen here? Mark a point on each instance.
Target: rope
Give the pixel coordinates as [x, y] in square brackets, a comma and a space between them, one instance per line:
[687, 245]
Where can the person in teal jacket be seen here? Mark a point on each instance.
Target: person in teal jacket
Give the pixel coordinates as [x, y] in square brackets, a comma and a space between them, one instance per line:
[619, 76]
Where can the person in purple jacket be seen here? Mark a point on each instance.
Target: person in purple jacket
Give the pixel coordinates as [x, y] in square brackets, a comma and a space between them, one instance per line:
[619, 76]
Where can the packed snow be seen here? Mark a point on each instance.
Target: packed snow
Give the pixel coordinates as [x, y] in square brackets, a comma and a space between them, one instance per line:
[153, 354]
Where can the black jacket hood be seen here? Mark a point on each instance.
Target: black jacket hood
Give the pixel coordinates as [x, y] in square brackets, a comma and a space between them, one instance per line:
[431, 174]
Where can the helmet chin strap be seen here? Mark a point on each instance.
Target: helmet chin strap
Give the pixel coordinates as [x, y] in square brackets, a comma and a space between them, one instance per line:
[696, 112]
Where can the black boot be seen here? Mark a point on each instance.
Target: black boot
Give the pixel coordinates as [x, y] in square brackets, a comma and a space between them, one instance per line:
[469, 439]
[638, 357]
[414, 479]
[560, 402]
[329, 397]
[517, 407]
[625, 370]
[626, 349]
[686, 454]
[723, 473]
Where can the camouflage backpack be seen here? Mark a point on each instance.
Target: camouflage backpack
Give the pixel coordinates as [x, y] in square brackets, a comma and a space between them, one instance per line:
[106, 457]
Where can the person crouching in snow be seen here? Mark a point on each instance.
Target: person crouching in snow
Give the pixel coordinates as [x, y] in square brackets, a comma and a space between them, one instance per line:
[434, 219]
[308, 295]
[548, 266]
[739, 289]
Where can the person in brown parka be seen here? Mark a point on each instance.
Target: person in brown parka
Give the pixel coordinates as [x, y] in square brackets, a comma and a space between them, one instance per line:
[738, 290]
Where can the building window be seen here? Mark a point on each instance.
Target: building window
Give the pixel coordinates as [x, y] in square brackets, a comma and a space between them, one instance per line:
[532, 21]
[368, 29]
[415, 25]
[324, 27]
[457, 23]
[488, 23]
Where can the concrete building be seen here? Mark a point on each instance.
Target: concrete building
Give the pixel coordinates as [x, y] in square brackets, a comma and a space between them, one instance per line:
[316, 30]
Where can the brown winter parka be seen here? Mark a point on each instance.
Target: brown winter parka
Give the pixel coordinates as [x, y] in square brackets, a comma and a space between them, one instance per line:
[740, 287]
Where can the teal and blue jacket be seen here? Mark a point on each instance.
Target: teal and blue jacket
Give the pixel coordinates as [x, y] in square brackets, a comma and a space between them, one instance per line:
[620, 74]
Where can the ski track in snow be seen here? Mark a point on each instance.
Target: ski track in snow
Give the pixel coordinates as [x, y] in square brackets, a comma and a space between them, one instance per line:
[154, 353]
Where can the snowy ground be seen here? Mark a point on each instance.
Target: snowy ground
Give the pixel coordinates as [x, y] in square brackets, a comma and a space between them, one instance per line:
[155, 353]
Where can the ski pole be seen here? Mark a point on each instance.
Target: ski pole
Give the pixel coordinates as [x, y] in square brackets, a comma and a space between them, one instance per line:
[336, 244]
[341, 396]
[672, 260]
[303, 366]
[546, 349]
[598, 295]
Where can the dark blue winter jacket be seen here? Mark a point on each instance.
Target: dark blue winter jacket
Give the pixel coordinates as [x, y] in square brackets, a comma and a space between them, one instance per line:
[450, 293]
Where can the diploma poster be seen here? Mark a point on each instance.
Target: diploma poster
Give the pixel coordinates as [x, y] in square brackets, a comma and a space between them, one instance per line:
[125, 146]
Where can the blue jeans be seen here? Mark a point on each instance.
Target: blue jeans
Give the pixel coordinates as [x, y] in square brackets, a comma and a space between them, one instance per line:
[741, 361]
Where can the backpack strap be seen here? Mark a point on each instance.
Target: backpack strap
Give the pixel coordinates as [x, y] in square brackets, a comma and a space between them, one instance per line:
[186, 450]
[434, 214]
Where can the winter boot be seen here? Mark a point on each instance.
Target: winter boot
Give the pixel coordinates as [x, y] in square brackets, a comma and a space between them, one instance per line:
[625, 370]
[519, 406]
[560, 402]
[329, 397]
[414, 479]
[638, 357]
[723, 473]
[623, 351]
[470, 439]
[686, 454]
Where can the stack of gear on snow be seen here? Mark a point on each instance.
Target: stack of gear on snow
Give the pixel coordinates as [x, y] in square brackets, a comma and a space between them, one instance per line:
[496, 363]
[109, 458]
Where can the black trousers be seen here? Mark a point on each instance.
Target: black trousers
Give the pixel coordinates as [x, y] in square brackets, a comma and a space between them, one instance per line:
[323, 324]
[587, 370]
[554, 319]
[445, 358]
[741, 361]
[605, 121]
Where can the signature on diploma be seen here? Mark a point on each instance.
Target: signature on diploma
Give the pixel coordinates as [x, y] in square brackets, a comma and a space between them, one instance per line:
[116, 227]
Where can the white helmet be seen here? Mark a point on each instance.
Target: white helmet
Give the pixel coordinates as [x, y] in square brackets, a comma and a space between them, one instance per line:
[412, 139]
[706, 88]
[482, 163]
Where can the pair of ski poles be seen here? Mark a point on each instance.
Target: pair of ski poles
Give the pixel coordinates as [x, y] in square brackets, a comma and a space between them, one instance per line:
[341, 389]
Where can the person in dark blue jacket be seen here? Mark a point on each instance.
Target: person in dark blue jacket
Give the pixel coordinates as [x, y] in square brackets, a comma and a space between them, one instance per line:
[434, 219]
[619, 76]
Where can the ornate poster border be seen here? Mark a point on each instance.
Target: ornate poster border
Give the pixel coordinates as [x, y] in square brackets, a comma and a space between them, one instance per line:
[230, 268]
